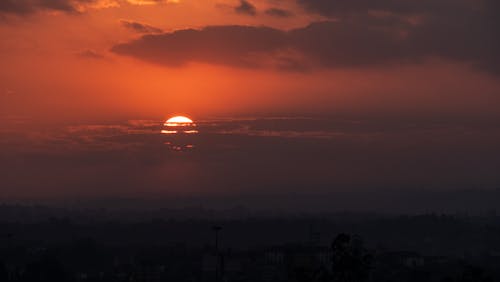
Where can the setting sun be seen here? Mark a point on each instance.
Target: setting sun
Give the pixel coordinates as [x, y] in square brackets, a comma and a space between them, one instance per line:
[179, 121]
[179, 124]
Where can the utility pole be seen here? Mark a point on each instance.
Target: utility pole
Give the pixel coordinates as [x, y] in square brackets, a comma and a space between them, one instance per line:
[216, 229]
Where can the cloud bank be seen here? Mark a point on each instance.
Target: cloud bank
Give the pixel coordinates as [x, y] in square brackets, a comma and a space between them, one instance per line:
[358, 33]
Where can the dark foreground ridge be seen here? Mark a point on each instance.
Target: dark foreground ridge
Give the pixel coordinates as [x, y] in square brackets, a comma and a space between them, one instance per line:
[44, 244]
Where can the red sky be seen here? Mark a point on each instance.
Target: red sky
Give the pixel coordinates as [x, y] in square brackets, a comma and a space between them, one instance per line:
[337, 95]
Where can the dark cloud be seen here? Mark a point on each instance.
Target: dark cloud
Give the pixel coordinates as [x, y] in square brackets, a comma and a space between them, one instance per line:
[225, 45]
[61, 5]
[140, 27]
[463, 30]
[21, 7]
[375, 37]
[16, 6]
[246, 8]
[25, 7]
[336, 8]
[342, 44]
[280, 13]
[91, 54]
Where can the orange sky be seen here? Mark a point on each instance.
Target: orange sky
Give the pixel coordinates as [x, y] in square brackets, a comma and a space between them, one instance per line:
[58, 65]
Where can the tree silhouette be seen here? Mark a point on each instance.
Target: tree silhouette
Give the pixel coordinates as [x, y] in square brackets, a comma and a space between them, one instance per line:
[350, 260]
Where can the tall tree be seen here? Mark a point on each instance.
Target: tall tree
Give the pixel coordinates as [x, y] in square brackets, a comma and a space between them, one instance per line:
[350, 260]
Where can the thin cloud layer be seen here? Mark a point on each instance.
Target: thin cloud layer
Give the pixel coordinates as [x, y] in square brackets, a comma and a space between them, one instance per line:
[287, 154]
[139, 27]
[405, 34]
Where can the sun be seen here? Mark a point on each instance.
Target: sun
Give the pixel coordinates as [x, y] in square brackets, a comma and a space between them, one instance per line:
[179, 121]
[179, 126]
